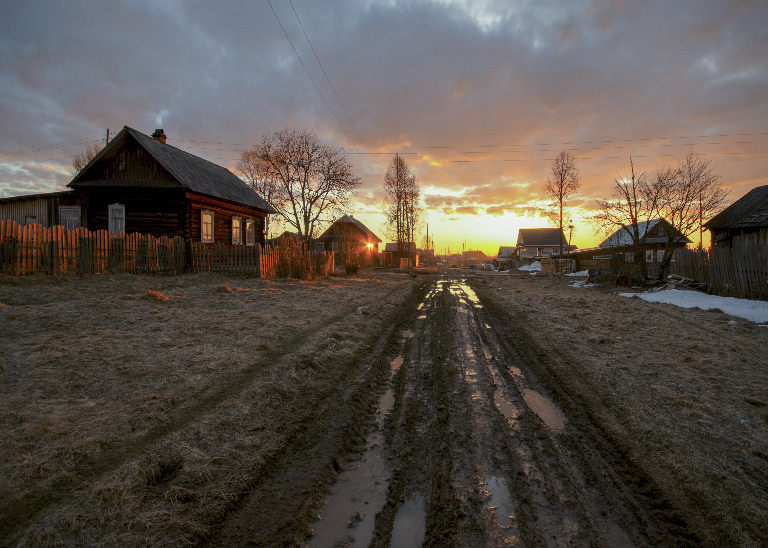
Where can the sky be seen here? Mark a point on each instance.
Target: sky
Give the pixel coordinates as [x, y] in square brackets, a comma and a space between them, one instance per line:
[478, 96]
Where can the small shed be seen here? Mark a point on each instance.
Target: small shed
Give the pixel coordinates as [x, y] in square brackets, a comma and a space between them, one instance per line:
[744, 223]
[535, 243]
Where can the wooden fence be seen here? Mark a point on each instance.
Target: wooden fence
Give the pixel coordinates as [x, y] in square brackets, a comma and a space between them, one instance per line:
[34, 249]
[731, 272]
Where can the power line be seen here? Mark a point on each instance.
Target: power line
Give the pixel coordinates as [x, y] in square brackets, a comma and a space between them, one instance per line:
[307, 71]
[48, 147]
[328, 79]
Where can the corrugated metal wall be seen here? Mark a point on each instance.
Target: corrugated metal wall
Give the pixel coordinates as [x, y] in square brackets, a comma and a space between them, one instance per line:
[25, 212]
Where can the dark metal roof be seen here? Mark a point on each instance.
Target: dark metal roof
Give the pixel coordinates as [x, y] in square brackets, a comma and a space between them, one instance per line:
[192, 172]
[750, 211]
[540, 237]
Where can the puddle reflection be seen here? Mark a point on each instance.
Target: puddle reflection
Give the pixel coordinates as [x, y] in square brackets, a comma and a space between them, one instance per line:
[410, 525]
[545, 409]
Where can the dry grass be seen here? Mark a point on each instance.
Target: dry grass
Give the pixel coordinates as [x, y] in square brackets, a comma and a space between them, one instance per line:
[682, 389]
[134, 410]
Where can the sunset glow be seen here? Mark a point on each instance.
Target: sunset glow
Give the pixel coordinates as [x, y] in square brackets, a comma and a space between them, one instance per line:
[477, 96]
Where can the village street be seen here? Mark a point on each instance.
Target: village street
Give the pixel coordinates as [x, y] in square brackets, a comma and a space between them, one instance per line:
[467, 449]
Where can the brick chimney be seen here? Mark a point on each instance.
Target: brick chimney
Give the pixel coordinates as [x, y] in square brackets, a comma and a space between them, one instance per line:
[159, 135]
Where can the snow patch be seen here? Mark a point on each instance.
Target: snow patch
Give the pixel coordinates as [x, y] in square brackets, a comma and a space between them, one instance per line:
[754, 311]
[581, 283]
[582, 273]
[534, 266]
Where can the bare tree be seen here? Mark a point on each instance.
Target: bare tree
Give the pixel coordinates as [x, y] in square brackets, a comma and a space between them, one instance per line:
[313, 181]
[632, 205]
[564, 182]
[402, 204]
[684, 196]
[81, 160]
[259, 176]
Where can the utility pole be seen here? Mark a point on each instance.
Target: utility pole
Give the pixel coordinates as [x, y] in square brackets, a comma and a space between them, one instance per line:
[107, 141]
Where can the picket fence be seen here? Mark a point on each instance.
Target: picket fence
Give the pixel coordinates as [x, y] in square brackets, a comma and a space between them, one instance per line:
[34, 249]
[728, 271]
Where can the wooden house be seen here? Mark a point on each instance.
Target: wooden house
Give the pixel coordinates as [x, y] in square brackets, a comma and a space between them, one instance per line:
[505, 258]
[349, 235]
[139, 183]
[744, 223]
[535, 243]
[392, 256]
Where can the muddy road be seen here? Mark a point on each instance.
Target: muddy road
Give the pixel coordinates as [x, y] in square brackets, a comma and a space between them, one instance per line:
[448, 438]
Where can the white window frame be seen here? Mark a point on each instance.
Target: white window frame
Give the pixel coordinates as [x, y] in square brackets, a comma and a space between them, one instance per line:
[319, 247]
[335, 247]
[660, 255]
[650, 255]
[237, 230]
[116, 219]
[250, 232]
[65, 220]
[203, 237]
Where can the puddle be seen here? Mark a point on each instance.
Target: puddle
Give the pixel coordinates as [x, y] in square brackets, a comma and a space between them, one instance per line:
[396, 363]
[471, 295]
[422, 317]
[499, 500]
[515, 371]
[408, 334]
[386, 403]
[507, 409]
[360, 492]
[545, 409]
[410, 526]
[487, 326]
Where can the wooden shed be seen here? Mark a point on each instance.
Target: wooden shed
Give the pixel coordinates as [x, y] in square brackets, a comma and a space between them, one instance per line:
[744, 223]
[139, 183]
[47, 210]
[346, 232]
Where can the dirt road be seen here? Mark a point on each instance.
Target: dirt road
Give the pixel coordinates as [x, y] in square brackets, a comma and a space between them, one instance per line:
[457, 444]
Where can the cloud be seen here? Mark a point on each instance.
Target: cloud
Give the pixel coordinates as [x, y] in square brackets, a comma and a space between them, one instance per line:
[501, 86]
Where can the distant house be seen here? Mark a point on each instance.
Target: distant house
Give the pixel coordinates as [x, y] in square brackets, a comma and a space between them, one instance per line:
[506, 255]
[346, 235]
[744, 222]
[138, 183]
[392, 254]
[535, 243]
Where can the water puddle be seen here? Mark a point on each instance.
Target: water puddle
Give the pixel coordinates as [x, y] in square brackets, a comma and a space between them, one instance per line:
[471, 295]
[515, 371]
[410, 526]
[499, 500]
[408, 334]
[423, 317]
[507, 409]
[396, 363]
[545, 409]
[386, 403]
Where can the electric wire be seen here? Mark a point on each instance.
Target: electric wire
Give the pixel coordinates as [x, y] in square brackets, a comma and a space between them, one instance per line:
[307, 71]
[326, 77]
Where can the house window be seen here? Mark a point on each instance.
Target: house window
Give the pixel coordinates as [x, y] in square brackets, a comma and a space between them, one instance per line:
[236, 231]
[249, 232]
[69, 217]
[30, 219]
[320, 247]
[335, 247]
[649, 254]
[116, 218]
[206, 226]
[660, 255]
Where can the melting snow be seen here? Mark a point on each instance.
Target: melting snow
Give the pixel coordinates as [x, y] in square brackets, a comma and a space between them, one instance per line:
[755, 311]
